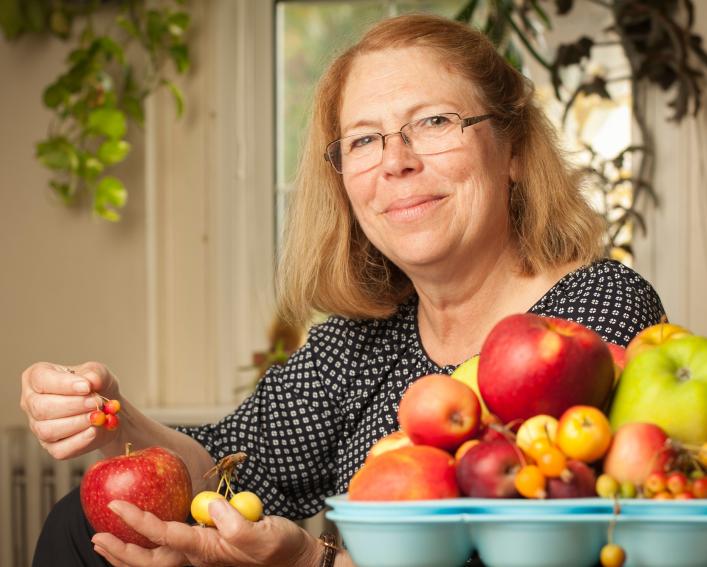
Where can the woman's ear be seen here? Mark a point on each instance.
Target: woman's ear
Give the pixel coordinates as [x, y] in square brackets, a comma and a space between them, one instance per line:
[513, 168]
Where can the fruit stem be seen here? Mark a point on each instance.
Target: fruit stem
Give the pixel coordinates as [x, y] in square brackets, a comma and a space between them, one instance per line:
[228, 486]
[128, 447]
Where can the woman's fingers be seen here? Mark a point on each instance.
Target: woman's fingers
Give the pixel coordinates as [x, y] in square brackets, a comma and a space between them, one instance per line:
[233, 527]
[42, 407]
[121, 554]
[53, 430]
[162, 533]
[45, 378]
[78, 444]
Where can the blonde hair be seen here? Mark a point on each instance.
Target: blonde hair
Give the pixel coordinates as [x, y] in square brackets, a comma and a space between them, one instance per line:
[327, 263]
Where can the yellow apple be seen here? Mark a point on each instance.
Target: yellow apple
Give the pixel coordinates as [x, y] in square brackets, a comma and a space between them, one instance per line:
[537, 427]
[466, 373]
[653, 336]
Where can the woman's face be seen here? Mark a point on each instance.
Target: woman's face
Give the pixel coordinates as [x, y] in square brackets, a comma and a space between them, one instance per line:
[423, 210]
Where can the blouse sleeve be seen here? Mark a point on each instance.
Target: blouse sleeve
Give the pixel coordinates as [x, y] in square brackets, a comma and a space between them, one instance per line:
[289, 428]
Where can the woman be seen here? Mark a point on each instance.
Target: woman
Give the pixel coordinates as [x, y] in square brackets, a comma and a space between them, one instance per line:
[442, 205]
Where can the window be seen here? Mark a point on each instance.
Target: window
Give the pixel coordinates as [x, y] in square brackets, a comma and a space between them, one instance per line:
[308, 35]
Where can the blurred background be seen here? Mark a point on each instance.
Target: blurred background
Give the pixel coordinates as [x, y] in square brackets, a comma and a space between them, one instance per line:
[147, 151]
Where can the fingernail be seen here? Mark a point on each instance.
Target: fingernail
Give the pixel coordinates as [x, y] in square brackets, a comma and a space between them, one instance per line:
[217, 508]
[81, 387]
[113, 506]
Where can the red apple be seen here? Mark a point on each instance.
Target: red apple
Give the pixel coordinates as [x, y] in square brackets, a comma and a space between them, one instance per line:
[618, 354]
[637, 450]
[488, 470]
[394, 440]
[580, 483]
[154, 479]
[438, 411]
[417, 472]
[531, 365]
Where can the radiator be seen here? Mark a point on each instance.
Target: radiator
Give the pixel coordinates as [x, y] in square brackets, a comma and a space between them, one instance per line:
[31, 482]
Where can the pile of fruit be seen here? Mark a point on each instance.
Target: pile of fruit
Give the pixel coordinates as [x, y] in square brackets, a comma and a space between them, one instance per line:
[550, 410]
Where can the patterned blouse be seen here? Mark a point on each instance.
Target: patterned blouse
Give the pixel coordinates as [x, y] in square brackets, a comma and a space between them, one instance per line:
[309, 424]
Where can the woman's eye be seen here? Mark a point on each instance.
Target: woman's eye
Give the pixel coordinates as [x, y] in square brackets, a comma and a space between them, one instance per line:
[432, 121]
[361, 142]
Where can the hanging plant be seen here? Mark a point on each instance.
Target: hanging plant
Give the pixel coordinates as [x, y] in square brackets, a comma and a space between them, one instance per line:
[102, 90]
[661, 49]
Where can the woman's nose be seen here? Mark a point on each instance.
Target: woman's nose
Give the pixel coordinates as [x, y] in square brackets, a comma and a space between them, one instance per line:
[398, 157]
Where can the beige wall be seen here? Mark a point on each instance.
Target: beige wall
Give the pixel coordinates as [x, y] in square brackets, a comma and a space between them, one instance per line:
[72, 288]
[177, 296]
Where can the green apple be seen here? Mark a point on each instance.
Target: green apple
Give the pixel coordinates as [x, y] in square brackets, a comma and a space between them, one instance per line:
[466, 373]
[667, 386]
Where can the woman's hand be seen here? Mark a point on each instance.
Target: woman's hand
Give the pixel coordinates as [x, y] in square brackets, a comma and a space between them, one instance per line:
[236, 542]
[58, 400]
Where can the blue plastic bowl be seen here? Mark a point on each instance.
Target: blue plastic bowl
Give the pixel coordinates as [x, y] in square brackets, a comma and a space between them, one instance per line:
[663, 541]
[520, 533]
[538, 541]
[405, 541]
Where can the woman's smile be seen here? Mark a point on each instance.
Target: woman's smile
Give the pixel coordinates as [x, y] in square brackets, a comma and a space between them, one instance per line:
[410, 209]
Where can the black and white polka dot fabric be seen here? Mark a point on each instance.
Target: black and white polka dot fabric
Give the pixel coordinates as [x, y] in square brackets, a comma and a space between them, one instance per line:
[309, 424]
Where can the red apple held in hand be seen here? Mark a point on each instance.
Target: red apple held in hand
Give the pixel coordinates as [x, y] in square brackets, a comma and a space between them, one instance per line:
[580, 483]
[154, 479]
[488, 470]
[636, 451]
[418, 472]
[531, 365]
[439, 411]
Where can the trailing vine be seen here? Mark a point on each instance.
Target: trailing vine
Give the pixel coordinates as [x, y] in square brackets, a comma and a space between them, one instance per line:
[661, 49]
[102, 88]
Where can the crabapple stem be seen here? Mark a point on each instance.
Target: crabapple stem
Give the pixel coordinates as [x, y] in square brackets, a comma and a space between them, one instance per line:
[128, 447]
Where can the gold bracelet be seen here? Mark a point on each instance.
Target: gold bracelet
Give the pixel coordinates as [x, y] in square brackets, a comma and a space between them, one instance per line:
[328, 540]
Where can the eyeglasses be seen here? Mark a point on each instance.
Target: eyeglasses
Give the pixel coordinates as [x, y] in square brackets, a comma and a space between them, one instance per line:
[425, 136]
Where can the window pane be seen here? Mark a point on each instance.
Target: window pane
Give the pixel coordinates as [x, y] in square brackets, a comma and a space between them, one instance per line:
[309, 34]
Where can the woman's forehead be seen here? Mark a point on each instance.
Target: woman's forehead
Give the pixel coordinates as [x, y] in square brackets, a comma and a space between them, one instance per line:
[400, 84]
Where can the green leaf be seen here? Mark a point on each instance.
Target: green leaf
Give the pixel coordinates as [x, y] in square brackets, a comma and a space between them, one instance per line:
[36, 15]
[155, 26]
[111, 49]
[58, 153]
[113, 151]
[177, 24]
[178, 96]
[110, 192]
[180, 55]
[108, 122]
[62, 189]
[91, 167]
[54, 95]
[128, 25]
[11, 20]
[106, 213]
[133, 107]
[59, 23]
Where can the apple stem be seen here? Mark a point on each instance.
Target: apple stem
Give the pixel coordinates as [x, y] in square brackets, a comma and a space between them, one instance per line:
[128, 447]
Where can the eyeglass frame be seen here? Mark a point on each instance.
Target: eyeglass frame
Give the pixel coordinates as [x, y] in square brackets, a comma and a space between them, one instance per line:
[464, 123]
